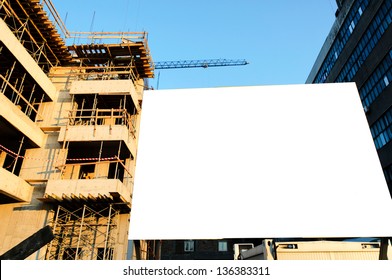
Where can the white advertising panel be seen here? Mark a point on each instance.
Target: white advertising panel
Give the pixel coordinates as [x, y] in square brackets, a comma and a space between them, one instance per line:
[259, 161]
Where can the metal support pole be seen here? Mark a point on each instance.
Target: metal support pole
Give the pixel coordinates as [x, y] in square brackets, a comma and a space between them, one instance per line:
[16, 159]
[73, 101]
[23, 27]
[118, 157]
[31, 96]
[40, 106]
[95, 238]
[17, 97]
[107, 232]
[39, 51]
[4, 83]
[112, 121]
[81, 110]
[49, 250]
[21, 86]
[7, 77]
[80, 232]
[99, 160]
[125, 109]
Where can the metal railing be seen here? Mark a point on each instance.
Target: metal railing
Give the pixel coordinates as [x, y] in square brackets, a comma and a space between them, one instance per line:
[98, 169]
[98, 117]
[101, 73]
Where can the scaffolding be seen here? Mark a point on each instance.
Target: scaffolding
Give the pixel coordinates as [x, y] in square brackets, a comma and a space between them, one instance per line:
[22, 92]
[30, 23]
[83, 234]
[32, 27]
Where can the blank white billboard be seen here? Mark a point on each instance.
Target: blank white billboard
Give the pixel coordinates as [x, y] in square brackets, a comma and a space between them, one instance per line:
[259, 161]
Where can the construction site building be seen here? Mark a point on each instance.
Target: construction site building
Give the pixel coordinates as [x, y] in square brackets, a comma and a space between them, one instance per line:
[69, 126]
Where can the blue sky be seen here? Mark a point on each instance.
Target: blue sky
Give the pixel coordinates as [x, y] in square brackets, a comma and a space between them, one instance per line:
[280, 38]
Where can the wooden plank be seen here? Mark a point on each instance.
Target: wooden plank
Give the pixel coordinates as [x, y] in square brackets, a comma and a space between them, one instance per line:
[91, 198]
[83, 198]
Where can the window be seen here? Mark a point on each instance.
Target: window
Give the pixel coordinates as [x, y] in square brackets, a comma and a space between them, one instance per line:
[342, 37]
[189, 246]
[386, 81]
[382, 129]
[351, 27]
[372, 35]
[222, 246]
[377, 82]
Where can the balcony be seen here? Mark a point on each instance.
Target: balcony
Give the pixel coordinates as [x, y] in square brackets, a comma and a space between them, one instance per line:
[93, 183]
[92, 125]
[13, 188]
[90, 189]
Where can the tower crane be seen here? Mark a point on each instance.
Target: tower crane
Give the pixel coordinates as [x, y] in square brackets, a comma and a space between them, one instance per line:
[204, 63]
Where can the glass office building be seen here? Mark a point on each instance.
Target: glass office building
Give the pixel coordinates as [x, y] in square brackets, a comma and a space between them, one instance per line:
[359, 49]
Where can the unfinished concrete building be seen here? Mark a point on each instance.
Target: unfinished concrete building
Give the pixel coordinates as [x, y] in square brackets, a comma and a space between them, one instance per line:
[69, 120]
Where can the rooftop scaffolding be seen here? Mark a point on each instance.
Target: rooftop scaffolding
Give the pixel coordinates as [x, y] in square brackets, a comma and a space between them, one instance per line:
[31, 25]
[29, 21]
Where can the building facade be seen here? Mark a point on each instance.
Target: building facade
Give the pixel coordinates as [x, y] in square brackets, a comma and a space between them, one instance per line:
[69, 126]
[359, 49]
[218, 249]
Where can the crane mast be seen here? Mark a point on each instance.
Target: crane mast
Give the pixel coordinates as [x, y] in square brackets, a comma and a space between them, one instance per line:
[204, 63]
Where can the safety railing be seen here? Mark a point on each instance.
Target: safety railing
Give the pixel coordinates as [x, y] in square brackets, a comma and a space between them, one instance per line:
[107, 168]
[97, 117]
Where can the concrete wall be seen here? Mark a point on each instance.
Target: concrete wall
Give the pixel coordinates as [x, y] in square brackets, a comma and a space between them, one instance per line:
[121, 250]
[55, 114]
[42, 164]
[21, 220]
[106, 87]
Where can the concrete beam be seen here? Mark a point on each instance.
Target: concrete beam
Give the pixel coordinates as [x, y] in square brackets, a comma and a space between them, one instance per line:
[15, 187]
[20, 121]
